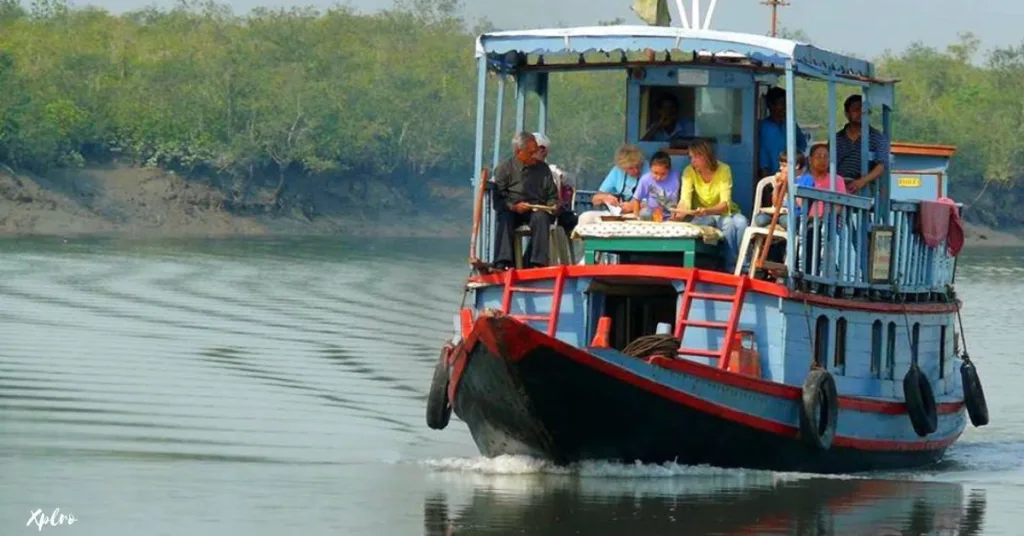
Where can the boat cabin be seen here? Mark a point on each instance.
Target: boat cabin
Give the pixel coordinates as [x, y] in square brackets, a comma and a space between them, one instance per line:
[716, 82]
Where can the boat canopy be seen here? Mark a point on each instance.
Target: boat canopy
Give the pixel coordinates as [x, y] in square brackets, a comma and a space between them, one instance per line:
[503, 49]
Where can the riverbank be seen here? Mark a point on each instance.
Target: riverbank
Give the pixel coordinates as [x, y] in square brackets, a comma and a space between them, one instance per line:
[133, 201]
[126, 200]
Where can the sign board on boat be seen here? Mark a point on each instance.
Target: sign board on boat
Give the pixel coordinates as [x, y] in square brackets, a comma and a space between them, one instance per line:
[693, 77]
[909, 182]
[880, 269]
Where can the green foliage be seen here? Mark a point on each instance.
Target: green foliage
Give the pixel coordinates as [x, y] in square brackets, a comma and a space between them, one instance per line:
[389, 97]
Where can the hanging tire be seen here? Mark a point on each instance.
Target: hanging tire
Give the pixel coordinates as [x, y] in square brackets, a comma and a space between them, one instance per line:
[439, 411]
[920, 400]
[974, 395]
[819, 410]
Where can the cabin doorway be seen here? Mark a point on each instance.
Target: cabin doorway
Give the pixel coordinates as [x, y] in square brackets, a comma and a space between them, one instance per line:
[636, 310]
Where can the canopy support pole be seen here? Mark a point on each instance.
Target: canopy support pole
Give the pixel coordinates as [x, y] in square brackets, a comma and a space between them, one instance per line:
[885, 181]
[831, 132]
[542, 109]
[522, 79]
[791, 233]
[478, 150]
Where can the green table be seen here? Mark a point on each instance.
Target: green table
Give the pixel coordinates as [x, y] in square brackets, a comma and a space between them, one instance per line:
[695, 252]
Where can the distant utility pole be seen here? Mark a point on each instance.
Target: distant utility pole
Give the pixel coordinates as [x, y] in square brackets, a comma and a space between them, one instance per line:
[775, 5]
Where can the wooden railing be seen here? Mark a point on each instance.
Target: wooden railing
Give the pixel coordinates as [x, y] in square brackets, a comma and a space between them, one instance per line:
[834, 250]
[917, 267]
[581, 200]
[831, 247]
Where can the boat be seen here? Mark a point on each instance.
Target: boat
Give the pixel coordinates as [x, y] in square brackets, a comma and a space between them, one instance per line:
[846, 355]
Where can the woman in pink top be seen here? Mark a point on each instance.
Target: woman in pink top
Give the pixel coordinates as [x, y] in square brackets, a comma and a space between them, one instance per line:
[818, 178]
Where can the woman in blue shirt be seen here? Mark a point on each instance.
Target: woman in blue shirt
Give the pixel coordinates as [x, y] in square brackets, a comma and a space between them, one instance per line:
[618, 186]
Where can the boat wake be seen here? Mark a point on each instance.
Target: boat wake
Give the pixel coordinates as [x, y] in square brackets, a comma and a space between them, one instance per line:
[508, 465]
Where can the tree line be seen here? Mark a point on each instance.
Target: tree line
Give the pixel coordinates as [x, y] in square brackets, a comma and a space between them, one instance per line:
[285, 95]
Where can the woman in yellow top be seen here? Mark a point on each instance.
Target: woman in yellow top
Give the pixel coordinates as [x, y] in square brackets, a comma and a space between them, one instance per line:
[707, 196]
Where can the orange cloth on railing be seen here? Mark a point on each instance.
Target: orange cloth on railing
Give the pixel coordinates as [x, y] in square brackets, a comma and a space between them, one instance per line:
[940, 220]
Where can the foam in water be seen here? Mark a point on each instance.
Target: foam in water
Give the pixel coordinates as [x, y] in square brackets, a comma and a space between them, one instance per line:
[525, 465]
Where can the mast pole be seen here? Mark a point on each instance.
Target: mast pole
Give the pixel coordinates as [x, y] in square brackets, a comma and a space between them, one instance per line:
[775, 5]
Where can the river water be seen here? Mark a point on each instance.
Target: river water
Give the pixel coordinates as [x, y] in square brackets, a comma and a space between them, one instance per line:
[277, 387]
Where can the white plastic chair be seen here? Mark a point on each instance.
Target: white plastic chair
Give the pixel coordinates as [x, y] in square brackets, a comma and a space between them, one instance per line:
[759, 233]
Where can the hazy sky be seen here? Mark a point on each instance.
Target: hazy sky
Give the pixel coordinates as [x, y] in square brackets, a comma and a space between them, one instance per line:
[829, 23]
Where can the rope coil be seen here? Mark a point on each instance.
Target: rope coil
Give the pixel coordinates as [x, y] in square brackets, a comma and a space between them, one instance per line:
[649, 345]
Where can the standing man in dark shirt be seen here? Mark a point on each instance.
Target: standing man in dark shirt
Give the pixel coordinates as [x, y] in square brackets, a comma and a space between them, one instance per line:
[848, 155]
[518, 182]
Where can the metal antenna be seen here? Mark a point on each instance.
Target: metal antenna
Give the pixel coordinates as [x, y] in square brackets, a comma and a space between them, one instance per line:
[775, 5]
[693, 21]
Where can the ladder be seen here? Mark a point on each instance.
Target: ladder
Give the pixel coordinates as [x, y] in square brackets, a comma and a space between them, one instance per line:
[556, 299]
[683, 318]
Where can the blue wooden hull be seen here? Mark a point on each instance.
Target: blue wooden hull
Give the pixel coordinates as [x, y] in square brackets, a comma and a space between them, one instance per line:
[521, 391]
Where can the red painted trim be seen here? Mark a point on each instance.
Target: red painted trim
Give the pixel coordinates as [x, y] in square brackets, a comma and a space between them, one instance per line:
[460, 356]
[717, 375]
[787, 392]
[487, 337]
[632, 271]
[506, 329]
[670, 273]
[466, 321]
[877, 307]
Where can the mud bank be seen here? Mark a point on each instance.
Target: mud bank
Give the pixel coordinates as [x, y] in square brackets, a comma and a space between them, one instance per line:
[146, 202]
[133, 201]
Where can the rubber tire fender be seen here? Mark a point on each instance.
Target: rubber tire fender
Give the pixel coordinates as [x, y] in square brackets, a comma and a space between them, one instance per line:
[819, 410]
[439, 411]
[920, 400]
[974, 395]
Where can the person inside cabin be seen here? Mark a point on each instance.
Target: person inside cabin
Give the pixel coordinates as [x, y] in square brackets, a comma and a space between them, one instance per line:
[617, 188]
[772, 137]
[669, 124]
[519, 182]
[848, 141]
[707, 198]
[566, 216]
[658, 190]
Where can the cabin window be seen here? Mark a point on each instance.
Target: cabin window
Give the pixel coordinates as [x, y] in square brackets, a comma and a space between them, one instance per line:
[942, 351]
[713, 113]
[839, 360]
[890, 352]
[915, 337]
[821, 341]
[876, 349]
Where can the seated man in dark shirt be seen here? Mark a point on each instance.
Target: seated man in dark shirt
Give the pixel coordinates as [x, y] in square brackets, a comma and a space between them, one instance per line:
[521, 181]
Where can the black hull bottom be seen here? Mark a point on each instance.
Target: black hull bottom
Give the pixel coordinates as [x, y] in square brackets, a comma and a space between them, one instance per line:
[548, 406]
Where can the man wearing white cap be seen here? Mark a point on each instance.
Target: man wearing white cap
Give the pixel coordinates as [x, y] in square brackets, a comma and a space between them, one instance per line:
[567, 219]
